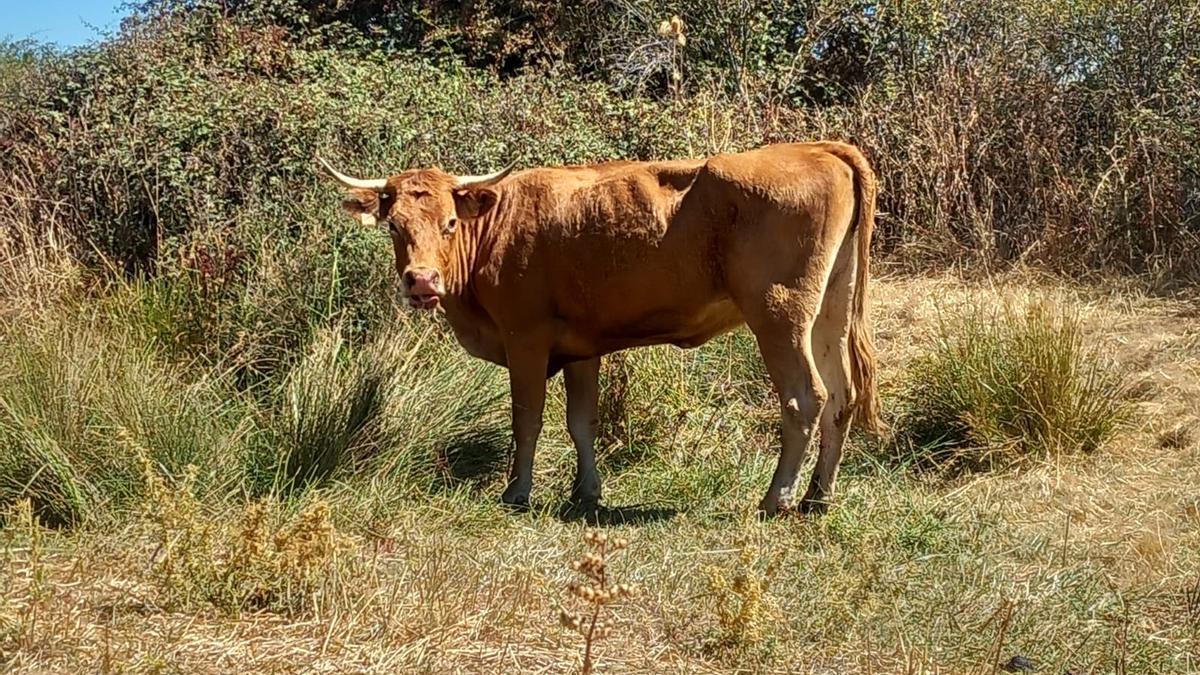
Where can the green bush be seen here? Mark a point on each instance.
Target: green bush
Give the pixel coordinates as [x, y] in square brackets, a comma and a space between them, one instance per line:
[997, 386]
[249, 299]
[1068, 143]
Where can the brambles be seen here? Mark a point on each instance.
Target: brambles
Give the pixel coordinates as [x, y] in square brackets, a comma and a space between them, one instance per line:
[597, 591]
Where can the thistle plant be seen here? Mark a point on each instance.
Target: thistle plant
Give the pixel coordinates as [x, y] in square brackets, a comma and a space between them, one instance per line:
[596, 591]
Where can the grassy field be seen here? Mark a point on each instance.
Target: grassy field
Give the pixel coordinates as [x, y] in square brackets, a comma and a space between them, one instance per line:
[223, 449]
[403, 559]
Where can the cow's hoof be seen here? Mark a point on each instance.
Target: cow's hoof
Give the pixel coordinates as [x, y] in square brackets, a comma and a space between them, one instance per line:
[585, 489]
[518, 502]
[816, 506]
[588, 500]
[585, 504]
[768, 508]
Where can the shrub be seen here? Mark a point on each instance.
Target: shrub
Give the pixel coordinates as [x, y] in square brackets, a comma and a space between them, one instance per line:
[740, 596]
[997, 386]
[1072, 151]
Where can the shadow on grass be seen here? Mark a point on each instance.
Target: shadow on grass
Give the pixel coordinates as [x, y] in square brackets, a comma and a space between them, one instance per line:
[477, 457]
[604, 516]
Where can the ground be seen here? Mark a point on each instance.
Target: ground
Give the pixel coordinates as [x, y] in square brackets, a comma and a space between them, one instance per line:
[1080, 563]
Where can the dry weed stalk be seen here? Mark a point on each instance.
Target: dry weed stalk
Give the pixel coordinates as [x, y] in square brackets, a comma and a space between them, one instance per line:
[264, 561]
[597, 591]
[26, 609]
[742, 602]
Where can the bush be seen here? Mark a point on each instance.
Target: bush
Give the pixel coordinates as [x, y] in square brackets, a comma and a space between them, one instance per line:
[251, 307]
[1067, 143]
[998, 386]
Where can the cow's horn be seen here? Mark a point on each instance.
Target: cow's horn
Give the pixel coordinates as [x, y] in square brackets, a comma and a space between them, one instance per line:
[376, 184]
[486, 179]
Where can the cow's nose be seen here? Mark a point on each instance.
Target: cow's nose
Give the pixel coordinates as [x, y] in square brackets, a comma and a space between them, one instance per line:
[421, 277]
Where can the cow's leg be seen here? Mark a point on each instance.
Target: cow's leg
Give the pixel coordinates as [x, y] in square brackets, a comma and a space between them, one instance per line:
[583, 402]
[782, 322]
[831, 335]
[527, 378]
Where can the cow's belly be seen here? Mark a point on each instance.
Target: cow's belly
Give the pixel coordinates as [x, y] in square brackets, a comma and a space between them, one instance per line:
[713, 320]
[684, 327]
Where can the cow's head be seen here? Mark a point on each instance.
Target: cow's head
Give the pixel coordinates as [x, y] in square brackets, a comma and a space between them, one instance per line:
[421, 209]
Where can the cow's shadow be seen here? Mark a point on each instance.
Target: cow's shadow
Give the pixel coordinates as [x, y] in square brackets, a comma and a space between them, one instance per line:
[480, 457]
[474, 458]
[606, 516]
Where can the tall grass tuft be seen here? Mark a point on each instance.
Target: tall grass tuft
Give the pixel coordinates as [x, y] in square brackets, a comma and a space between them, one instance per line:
[998, 385]
[383, 409]
[330, 414]
[80, 400]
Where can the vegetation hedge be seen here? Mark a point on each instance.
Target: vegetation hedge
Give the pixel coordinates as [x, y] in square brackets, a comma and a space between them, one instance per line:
[1053, 131]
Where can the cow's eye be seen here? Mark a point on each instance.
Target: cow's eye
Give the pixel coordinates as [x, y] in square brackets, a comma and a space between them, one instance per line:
[451, 225]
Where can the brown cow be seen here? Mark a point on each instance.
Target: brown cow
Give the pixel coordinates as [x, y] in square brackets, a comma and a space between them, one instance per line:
[549, 269]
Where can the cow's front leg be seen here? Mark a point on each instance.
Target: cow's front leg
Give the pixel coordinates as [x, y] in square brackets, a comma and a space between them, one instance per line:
[527, 378]
[583, 402]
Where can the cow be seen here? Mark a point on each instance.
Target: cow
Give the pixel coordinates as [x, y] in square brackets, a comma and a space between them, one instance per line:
[551, 268]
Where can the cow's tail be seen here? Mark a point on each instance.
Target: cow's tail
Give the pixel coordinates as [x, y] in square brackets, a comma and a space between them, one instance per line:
[862, 345]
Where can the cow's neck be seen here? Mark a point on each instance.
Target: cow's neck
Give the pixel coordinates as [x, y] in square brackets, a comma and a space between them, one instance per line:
[471, 324]
[471, 248]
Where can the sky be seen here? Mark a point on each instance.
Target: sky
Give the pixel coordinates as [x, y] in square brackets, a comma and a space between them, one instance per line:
[67, 23]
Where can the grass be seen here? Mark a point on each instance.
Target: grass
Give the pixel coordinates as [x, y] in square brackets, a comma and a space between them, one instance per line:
[1075, 560]
[1001, 385]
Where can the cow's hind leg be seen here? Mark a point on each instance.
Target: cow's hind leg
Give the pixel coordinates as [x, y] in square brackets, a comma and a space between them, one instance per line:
[583, 401]
[782, 322]
[830, 344]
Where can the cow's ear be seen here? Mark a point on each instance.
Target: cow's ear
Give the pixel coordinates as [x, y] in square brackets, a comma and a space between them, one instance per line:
[473, 202]
[363, 205]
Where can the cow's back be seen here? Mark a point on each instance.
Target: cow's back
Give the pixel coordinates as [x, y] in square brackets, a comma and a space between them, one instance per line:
[619, 264]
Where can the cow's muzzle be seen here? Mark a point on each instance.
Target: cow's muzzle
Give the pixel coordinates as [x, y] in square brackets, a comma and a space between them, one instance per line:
[423, 287]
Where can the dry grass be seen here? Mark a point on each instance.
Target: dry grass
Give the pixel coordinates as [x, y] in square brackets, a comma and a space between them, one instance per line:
[1089, 563]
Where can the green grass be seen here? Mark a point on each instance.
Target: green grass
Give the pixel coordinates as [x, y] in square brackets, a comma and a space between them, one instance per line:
[1001, 384]
[80, 400]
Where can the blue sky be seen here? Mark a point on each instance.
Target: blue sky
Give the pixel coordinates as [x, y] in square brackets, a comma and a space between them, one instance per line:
[67, 23]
